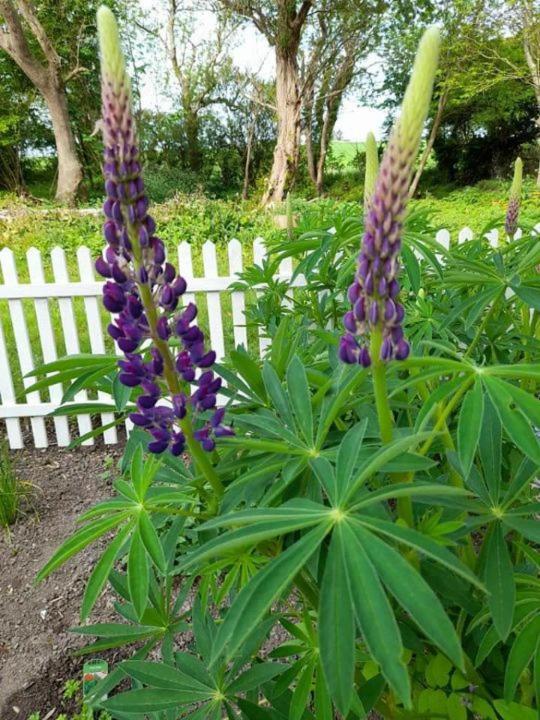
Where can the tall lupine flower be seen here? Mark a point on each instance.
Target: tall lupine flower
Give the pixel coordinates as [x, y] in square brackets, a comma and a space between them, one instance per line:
[376, 314]
[142, 289]
[372, 170]
[514, 200]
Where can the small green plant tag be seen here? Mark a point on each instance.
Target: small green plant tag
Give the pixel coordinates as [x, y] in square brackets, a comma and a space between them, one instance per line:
[93, 672]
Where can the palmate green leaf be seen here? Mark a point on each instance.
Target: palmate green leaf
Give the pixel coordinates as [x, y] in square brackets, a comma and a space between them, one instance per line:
[137, 472]
[513, 419]
[79, 540]
[423, 544]
[470, 425]
[257, 675]
[165, 677]
[426, 491]
[249, 370]
[302, 691]
[351, 376]
[413, 593]
[138, 580]
[325, 474]
[300, 398]
[336, 625]
[276, 393]
[101, 572]
[499, 578]
[347, 457]
[528, 528]
[521, 480]
[72, 362]
[138, 703]
[373, 613]
[381, 457]
[299, 509]
[521, 654]
[490, 449]
[151, 541]
[84, 408]
[263, 589]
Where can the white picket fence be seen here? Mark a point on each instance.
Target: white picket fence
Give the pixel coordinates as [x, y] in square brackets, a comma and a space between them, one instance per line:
[16, 410]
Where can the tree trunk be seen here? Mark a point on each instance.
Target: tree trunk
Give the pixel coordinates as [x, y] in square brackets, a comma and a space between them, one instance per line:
[249, 145]
[285, 162]
[430, 142]
[69, 167]
[194, 156]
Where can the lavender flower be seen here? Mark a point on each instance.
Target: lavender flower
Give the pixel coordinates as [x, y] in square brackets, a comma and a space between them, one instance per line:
[514, 200]
[374, 292]
[142, 289]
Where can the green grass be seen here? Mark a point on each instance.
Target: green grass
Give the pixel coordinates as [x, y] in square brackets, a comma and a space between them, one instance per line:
[346, 152]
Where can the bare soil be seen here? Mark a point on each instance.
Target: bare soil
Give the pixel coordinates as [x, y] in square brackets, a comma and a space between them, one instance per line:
[36, 647]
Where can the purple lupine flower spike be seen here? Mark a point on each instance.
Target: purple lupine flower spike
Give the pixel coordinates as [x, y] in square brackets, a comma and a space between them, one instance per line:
[376, 286]
[142, 289]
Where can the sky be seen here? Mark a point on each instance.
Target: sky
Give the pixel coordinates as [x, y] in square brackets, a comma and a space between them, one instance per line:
[252, 53]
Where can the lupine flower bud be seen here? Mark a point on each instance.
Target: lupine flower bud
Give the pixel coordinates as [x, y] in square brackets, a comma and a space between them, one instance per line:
[375, 287]
[514, 200]
[143, 290]
[372, 168]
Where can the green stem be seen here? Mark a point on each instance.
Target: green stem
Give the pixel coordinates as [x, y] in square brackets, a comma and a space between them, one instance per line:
[378, 372]
[384, 414]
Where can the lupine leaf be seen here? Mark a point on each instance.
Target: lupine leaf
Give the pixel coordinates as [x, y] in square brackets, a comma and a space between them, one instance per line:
[165, 677]
[336, 625]
[151, 541]
[298, 389]
[521, 654]
[258, 595]
[424, 544]
[413, 593]
[499, 577]
[79, 540]
[374, 614]
[514, 421]
[138, 581]
[470, 425]
[101, 572]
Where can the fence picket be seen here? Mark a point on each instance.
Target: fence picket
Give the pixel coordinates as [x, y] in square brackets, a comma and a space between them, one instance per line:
[69, 328]
[95, 331]
[22, 343]
[238, 299]
[47, 340]
[213, 303]
[185, 267]
[464, 235]
[7, 396]
[259, 255]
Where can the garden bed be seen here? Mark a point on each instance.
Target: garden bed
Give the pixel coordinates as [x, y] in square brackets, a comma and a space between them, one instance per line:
[36, 646]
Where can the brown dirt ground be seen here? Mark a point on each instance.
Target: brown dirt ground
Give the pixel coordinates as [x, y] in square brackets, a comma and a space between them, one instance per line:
[35, 645]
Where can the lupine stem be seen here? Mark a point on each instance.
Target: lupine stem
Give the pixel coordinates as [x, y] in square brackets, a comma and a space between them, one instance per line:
[378, 370]
[384, 414]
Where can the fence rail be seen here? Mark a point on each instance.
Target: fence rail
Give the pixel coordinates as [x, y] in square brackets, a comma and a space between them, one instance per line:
[41, 316]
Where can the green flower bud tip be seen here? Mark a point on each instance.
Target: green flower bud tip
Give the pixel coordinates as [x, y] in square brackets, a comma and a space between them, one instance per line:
[415, 106]
[515, 190]
[372, 169]
[113, 67]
